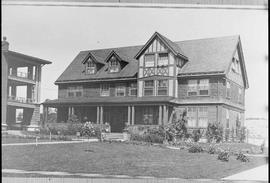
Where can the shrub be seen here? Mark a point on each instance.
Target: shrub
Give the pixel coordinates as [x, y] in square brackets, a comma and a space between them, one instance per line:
[211, 149]
[61, 128]
[195, 148]
[73, 119]
[177, 129]
[196, 135]
[224, 155]
[242, 157]
[150, 134]
[214, 132]
[88, 130]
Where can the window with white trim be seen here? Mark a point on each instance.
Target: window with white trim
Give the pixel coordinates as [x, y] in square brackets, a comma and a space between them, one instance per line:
[191, 116]
[228, 89]
[133, 89]
[114, 65]
[162, 87]
[120, 90]
[104, 90]
[149, 88]
[163, 59]
[90, 67]
[239, 95]
[203, 117]
[192, 87]
[203, 86]
[75, 91]
[149, 60]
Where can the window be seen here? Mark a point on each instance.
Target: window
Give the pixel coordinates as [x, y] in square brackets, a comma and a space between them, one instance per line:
[227, 119]
[238, 120]
[75, 91]
[239, 95]
[192, 87]
[162, 87]
[133, 89]
[202, 117]
[163, 59]
[90, 67]
[228, 89]
[203, 86]
[191, 116]
[179, 63]
[149, 88]
[149, 60]
[114, 65]
[120, 91]
[104, 90]
[236, 66]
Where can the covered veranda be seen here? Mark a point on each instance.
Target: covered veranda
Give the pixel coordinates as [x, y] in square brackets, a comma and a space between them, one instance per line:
[117, 113]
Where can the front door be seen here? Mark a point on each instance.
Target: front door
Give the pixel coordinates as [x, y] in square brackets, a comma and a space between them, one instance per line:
[116, 117]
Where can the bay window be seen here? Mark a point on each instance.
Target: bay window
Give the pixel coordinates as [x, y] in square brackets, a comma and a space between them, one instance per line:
[149, 88]
[162, 87]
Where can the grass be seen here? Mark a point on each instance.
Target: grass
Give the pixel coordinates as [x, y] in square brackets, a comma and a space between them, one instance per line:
[121, 158]
[20, 140]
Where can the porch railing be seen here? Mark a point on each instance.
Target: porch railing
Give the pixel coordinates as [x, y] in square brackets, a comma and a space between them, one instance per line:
[21, 99]
[20, 74]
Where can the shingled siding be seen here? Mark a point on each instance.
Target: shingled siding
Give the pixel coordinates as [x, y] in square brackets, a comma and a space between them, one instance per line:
[216, 88]
[235, 94]
[92, 89]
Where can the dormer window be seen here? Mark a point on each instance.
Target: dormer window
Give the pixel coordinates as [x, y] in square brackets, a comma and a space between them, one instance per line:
[114, 65]
[90, 67]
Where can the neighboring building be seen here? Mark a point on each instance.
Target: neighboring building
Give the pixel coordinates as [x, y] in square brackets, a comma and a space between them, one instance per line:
[146, 85]
[12, 78]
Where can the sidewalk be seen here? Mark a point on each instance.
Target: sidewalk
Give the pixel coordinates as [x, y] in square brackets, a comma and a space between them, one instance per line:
[256, 174]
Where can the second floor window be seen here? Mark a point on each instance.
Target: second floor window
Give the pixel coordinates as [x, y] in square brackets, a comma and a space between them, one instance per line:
[198, 87]
[192, 87]
[149, 88]
[120, 91]
[149, 60]
[90, 67]
[227, 119]
[133, 89]
[203, 86]
[104, 90]
[239, 95]
[228, 89]
[163, 59]
[114, 65]
[75, 91]
[162, 87]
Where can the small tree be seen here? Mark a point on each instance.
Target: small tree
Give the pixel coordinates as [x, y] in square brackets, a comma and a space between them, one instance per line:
[214, 132]
[88, 130]
[73, 119]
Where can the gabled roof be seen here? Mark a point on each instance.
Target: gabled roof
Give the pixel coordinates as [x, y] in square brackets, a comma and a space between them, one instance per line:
[22, 57]
[171, 45]
[205, 56]
[113, 52]
[93, 58]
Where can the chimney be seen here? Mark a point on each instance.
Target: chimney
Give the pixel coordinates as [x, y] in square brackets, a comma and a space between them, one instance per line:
[5, 44]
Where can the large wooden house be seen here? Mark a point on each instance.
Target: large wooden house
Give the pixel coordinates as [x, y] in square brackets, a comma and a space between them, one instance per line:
[147, 84]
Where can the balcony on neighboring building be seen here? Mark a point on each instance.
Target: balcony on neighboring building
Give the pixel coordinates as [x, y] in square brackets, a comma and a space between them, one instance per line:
[22, 77]
[21, 101]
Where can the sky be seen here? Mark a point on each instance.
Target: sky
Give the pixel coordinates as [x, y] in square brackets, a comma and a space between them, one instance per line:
[58, 34]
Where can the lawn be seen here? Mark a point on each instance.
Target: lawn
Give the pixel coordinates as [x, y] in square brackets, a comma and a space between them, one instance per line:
[120, 158]
[11, 140]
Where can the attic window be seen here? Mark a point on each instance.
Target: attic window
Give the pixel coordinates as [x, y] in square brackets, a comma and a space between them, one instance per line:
[235, 66]
[90, 67]
[114, 65]
[163, 59]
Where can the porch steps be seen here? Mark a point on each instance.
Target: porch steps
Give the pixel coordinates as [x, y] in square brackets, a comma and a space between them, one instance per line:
[113, 136]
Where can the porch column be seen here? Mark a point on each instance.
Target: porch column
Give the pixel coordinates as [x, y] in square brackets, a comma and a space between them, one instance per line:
[160, 115]
[165, 114]
[97, 114]
[45, 113]
[72, 111]
[101, 114]
[69, 111]
[132, 115]
[128, 115]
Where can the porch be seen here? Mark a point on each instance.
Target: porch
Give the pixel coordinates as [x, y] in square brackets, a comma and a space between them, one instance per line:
[118, 116]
